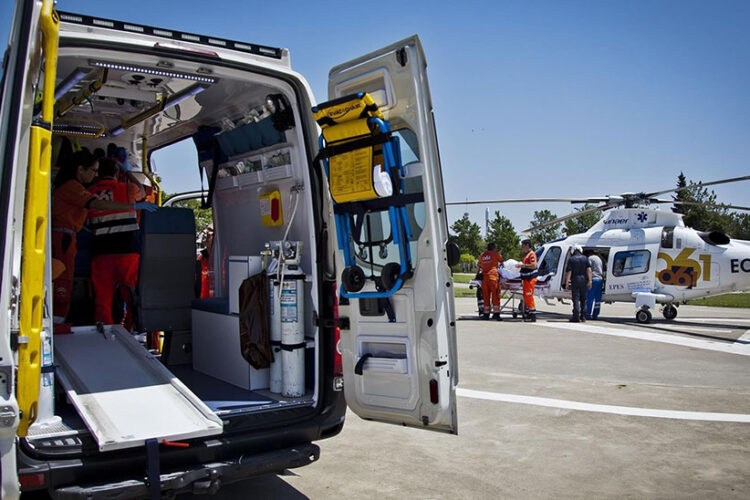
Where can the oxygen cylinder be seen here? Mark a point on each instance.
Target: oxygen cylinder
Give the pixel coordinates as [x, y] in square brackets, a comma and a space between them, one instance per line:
[46, 416]
[275, 322]
[292, 312]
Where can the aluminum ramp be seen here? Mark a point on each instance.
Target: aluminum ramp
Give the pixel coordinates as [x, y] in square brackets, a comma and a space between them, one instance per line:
[124, 394]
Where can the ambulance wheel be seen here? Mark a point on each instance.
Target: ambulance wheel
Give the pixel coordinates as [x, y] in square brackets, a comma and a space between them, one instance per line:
[389, 275]
[643, 316]
[353, 279]
[670, 311]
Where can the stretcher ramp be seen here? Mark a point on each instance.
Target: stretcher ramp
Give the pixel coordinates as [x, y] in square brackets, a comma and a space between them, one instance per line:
[125, 395]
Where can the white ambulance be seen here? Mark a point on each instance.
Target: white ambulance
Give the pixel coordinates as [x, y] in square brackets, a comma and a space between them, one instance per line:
[361, 282]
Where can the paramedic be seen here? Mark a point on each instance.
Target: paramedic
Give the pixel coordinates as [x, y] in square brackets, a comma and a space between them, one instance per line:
[114, 247]
[203, 264]
[594, 295]
[487, 263]
[578, 273]
[529, 273]
[70, 204]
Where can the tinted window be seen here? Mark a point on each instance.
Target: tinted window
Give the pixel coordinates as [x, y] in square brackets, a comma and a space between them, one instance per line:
[631, 262]
[551, 261]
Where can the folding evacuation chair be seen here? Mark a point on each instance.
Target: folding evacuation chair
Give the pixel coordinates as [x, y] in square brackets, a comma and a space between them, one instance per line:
[362, 161]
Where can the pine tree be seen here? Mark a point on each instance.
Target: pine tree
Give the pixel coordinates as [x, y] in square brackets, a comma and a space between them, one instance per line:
[681, 195]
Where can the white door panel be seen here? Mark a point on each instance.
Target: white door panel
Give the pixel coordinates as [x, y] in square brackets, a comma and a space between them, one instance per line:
[405, 371]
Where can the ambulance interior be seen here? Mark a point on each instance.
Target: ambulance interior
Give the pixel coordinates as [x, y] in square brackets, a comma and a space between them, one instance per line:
[251, 148]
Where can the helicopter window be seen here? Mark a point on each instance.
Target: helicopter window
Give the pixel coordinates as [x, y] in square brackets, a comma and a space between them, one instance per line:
[631, 262]
[551, 261]
[667, 237]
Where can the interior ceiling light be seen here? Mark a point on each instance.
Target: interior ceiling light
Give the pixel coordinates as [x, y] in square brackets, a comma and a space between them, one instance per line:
[153, 71]
[83, 129]
[70, 82]
[166, 103]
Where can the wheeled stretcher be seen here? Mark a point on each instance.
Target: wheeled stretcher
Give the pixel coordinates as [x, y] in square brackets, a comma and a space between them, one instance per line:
[362, 162]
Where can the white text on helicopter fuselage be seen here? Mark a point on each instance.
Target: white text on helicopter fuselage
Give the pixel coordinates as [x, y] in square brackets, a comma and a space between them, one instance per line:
[737, 265]
[616, 221]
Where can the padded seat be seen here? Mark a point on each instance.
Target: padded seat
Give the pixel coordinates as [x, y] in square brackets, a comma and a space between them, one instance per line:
[167, 270]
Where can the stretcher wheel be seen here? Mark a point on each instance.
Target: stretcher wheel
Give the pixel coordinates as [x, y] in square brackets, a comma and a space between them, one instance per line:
[389, 275]
[515, 315]
[353, 279]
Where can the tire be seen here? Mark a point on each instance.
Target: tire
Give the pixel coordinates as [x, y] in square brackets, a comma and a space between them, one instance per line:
[670, 312]
[390, 274]
[643, 316]
[353, 279]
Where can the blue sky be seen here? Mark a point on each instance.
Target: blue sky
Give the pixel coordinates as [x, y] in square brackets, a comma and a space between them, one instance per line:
[532, 98]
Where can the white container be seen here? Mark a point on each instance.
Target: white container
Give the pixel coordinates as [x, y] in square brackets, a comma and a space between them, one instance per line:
[216, 351]
[240, 267]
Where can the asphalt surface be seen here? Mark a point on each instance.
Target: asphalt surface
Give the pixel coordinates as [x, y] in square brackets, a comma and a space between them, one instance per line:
[605, 409]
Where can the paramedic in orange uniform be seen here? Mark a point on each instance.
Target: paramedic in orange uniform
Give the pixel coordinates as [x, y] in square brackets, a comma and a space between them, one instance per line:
[114, 247]
[71, 202]
[528, 278]
[488, 262]
[203, 264]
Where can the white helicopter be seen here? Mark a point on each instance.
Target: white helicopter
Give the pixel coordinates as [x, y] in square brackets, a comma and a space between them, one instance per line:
[650, 257]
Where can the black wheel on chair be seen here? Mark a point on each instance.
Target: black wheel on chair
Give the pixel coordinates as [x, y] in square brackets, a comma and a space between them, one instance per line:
[353, 279]
[670, 311]
[389, 275]
[643, 316]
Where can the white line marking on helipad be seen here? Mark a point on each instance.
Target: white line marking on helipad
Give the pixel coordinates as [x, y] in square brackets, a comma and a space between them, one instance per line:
[741, 349]
[744, 338]
[617, 410]
[717, 320]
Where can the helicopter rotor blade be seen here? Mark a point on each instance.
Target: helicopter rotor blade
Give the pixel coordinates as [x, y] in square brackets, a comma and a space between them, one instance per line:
[529, 200]
[572, 215]
[694, 203]
[699, 185]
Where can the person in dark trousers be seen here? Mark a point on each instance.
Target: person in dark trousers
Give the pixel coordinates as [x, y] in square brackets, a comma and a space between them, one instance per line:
[578, 274]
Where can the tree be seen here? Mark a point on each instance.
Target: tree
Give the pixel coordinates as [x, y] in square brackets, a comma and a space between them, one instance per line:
[503, 234]
[681, 195]
[549, 233]
[468, 236]
[705, 213]
[582, 223]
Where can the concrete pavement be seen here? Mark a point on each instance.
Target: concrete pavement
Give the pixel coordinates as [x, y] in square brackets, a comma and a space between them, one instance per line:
[524, 450]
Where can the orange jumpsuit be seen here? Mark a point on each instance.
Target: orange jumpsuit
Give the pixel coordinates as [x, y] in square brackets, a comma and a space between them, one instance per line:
[114, 249]
[70, 203]
[488, 262]
[528, 277]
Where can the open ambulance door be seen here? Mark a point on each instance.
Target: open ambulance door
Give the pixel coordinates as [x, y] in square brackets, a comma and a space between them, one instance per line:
[400, 365]
[28, 70]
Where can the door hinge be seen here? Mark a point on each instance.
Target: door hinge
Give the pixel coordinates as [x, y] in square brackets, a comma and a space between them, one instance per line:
[7, 416]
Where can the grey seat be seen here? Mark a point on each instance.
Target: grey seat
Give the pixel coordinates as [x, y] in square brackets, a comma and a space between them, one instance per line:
[167, 269]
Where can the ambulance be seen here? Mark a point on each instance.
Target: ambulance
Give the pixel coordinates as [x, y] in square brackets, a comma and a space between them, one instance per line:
[343, 223]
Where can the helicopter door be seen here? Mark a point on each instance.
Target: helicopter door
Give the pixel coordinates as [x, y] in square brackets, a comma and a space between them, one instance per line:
[399, 356]
[630, 269]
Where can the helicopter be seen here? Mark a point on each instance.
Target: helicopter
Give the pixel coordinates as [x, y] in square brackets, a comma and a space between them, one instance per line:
[649, 255]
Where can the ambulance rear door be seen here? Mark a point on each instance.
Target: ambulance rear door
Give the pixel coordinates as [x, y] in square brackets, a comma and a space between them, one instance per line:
[402, 367]
[20, 72]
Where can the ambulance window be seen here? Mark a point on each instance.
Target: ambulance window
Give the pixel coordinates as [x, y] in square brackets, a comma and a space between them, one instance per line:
[384, 250]
[550, 262]
[631, 262]
[176, 167]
